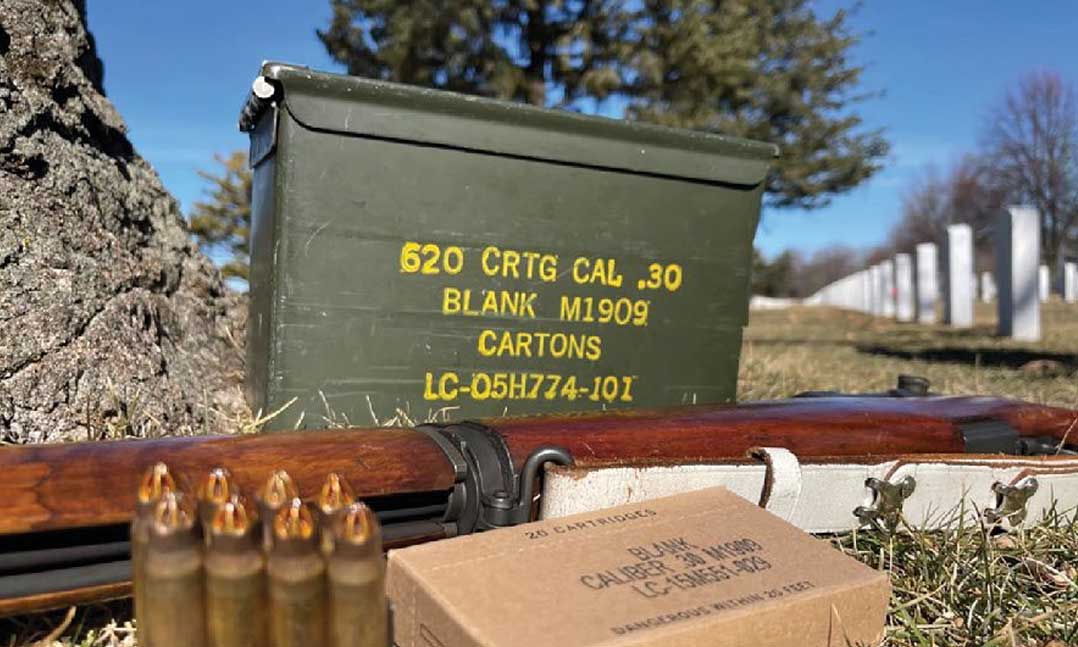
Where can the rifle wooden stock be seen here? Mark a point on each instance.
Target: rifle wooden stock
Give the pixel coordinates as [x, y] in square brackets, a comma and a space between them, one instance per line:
[60, 599]
[808, 427]
[46, 490]
[48, 487]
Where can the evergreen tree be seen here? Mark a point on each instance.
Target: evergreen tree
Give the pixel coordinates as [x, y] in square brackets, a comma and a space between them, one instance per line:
[222, 225]
[765, 69]
[777, 278]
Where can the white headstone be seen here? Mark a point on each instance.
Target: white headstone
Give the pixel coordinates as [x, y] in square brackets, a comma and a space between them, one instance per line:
[1070, 282]
[866, 291]
[927, 292]
[904, 287]
[958, 276]
[876, 276]
[1044, 282]
[1018, 251]
[988, 287]
[887, 269]
[881, 282]
[851, 289]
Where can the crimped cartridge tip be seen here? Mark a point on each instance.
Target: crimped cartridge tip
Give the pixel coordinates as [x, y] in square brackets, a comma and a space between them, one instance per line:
[357, 526]
[173, 514]
[293, 521]
[233, 518]
[278, 490]
[156, 480]
[216, 487]
[335, 494]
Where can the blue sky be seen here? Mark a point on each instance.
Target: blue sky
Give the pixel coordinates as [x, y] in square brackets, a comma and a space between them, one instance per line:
[179, 71]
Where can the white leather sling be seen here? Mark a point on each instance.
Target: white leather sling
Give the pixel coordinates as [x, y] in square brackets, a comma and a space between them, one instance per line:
[930, 491]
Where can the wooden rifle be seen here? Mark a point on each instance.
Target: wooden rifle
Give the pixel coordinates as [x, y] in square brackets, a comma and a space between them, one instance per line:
[65, 508]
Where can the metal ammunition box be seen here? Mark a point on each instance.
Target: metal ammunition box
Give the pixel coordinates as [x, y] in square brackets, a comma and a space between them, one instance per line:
[418, 250]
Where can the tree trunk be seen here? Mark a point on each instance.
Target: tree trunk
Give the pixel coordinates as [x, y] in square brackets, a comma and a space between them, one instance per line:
[111, 320]
[535, 73]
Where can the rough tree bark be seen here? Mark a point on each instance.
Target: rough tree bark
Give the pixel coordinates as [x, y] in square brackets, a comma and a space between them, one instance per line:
[111, 320]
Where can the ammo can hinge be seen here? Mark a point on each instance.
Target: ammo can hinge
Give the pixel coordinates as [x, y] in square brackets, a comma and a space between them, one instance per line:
[264, 94]
[488, 492]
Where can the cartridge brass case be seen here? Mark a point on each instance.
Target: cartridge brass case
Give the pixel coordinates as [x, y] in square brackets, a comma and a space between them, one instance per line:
[276, 493]
[297, 587]
[155, 481]
[356, 578]
[173, 582]
[236, 599]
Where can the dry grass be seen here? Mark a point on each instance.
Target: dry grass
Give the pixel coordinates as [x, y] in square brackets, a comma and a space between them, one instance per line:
[98, 625]
[803, 349]
[961, 587]
[969, 586]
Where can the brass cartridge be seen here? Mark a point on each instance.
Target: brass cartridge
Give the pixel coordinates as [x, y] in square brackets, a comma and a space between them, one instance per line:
[173, 586]
[215, 488]
[334, 497]
[356, 577]
[155, 481]
[297, 587]
[278, 491]
[236, 598]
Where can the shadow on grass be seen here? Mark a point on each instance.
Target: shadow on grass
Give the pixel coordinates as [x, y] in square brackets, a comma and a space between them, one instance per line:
[797, 341]
[914, 331]
[986, 357]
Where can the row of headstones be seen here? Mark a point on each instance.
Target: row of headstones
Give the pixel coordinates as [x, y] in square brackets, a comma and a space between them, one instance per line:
[908, 287]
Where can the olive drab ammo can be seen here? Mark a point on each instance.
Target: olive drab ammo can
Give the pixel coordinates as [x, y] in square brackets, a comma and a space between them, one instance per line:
[415, 250]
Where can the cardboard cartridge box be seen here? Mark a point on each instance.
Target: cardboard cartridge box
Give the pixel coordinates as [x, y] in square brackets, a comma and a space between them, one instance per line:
[702, 568]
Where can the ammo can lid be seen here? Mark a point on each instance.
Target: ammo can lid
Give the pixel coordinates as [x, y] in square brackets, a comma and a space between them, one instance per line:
[366, 107]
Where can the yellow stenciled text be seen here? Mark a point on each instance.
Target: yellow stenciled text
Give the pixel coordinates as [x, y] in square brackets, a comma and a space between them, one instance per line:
[450, 385]
[504, 303]
[559, 345]
[510, 263]
[621, 311]
[602, 271]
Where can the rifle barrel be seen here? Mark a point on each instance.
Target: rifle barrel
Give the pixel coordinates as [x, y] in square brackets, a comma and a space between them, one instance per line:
[31, 561]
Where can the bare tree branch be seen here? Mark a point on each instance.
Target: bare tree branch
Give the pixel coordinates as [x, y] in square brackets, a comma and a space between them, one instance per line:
[1031, 147]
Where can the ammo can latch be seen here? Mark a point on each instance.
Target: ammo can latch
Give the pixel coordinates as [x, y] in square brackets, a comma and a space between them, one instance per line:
[488, 492]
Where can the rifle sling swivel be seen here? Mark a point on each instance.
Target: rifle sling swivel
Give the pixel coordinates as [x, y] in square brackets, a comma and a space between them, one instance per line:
[488, 492]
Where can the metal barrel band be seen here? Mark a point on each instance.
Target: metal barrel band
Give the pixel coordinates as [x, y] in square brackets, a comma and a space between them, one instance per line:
[488, 492]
